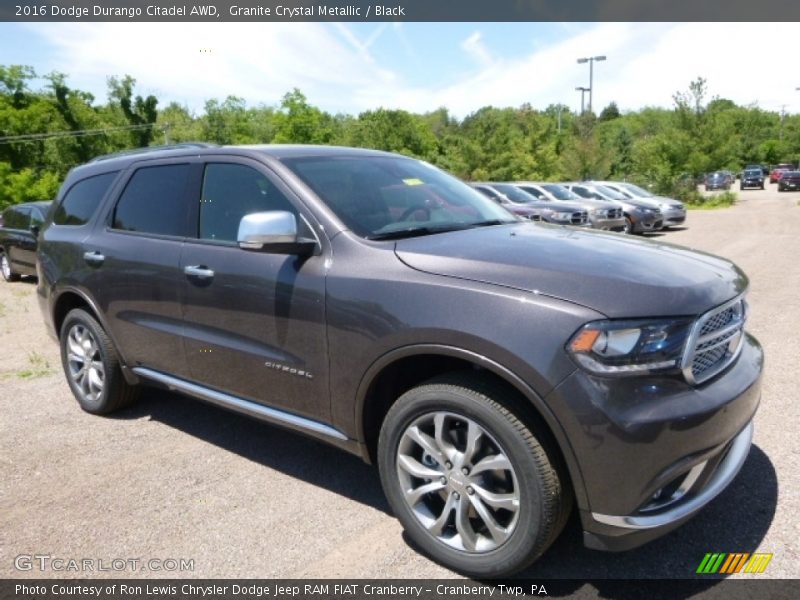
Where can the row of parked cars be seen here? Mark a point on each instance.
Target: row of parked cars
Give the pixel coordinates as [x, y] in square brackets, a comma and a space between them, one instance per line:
[754, 176]
[609, 205]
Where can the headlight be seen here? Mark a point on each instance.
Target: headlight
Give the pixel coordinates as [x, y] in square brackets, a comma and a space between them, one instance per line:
[561, 215]
[630, 347]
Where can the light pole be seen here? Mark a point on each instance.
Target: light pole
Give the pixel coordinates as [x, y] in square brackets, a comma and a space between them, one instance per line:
[582, 90]
[591, 60]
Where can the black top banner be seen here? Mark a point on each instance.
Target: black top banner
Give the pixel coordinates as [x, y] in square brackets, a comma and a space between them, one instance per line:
[401, 10]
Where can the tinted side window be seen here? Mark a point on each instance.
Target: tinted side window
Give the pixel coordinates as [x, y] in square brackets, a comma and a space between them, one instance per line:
[82, 200]
[155, 201]
[16, 218]
[231, 191]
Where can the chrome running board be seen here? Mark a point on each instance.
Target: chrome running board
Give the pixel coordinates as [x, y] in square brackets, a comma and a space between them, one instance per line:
[247, 407]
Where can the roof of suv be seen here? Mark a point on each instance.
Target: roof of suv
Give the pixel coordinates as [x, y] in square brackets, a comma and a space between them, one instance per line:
[122, 160]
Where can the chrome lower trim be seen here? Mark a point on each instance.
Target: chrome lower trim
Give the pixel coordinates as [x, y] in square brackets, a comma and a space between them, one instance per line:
[726, 471]
[240, 405]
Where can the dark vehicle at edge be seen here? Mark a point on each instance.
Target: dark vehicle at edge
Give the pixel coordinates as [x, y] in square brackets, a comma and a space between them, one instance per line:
[789, 181]
[498, 372]
[19, 227]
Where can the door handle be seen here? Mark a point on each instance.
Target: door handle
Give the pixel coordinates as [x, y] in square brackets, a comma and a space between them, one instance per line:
[94, 259]
[198, 271]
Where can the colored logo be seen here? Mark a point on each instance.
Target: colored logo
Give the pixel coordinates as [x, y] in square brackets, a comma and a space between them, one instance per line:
[738, 562]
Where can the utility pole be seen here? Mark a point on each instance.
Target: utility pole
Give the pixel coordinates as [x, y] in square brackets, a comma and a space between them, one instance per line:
[167, 127]
[783, 116]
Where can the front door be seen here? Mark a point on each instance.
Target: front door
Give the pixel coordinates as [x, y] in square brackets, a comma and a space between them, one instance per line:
[254, 323]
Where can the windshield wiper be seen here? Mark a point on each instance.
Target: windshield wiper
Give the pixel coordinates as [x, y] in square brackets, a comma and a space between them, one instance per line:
[420, 231]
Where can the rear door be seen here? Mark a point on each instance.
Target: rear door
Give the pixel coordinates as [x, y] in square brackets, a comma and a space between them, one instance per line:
[254, 322]
[135, 262]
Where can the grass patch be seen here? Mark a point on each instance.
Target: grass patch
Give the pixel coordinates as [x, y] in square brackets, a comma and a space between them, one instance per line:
[696, 200]
[39, 367]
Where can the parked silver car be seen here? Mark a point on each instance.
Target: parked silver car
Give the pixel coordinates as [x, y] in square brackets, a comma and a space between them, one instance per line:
[602, 215]
[513, 198]
[641, 216]
[673, 210]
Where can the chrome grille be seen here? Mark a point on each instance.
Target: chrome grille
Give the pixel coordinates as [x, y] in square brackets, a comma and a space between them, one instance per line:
[579, 218]
[715, 341]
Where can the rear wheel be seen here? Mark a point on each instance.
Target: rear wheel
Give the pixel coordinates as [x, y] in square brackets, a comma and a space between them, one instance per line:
[473, 486]
[92, 366]
[5, 267]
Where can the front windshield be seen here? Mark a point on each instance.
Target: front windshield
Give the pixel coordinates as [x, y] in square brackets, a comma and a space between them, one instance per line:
[513, 193]
[388, 196]
[560, 192]
[608, 192]
[752, 173]
[636, 190]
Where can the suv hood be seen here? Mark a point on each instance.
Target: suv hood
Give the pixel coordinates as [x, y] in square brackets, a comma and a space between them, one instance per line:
[616, 275]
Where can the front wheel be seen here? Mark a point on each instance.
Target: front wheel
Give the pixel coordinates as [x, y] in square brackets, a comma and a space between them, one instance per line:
[5, 268]
[92, 366]
[628, 229]
[472, 485]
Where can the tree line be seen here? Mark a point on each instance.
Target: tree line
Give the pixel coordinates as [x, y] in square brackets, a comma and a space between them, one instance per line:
[48, 129]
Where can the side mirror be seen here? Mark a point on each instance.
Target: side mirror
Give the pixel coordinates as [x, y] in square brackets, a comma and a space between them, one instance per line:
[34, 230]
[275, 232]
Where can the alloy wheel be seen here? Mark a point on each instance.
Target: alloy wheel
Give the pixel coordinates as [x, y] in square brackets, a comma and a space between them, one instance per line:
[85, 364]
[5, 267]
[458, 482]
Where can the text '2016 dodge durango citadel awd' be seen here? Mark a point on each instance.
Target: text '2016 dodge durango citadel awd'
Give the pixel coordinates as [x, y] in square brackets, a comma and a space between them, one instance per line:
[498, 372]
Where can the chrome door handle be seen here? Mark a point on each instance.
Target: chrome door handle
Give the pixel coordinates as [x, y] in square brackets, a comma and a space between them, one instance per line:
[94, 258]
[198, 271]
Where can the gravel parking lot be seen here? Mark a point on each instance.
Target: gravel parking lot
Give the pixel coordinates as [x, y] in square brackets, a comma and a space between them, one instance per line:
[172, 478]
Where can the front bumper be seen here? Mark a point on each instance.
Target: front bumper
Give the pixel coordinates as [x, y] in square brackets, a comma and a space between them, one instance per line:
[617, 224]
[653, 450]
[755, 183]
[643, 222]
[673, 216]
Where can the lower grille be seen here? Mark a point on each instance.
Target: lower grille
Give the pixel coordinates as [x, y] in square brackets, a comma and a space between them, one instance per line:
[715, 341]
[579, 218]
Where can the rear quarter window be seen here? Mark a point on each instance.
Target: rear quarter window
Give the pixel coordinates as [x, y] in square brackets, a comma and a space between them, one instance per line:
[16, 218]
[82, 199]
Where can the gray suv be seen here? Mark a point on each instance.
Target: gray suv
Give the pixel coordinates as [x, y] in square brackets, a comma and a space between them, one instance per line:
[499, 372]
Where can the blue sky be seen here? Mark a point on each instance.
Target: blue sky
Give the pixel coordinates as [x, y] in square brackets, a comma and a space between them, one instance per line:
[351, 67]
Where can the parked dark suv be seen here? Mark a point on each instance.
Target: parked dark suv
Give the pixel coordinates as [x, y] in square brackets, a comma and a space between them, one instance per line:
[19, 226]
[497, 371]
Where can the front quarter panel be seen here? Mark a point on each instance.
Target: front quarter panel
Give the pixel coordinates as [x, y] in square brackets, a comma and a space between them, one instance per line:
[377, 305]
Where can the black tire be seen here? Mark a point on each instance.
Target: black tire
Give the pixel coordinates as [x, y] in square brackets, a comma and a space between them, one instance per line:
[115, 392]
[544, 496]
[628, 230]
[5, 269]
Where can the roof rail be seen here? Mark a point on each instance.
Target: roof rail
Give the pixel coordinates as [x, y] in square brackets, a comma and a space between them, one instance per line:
[148, 149]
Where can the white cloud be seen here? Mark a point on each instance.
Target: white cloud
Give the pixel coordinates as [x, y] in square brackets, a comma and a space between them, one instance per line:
[476, 49]
[338, 71]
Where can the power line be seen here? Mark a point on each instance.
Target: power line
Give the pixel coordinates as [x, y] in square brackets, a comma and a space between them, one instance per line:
[37, 137]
